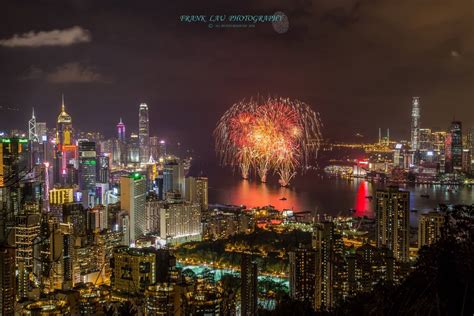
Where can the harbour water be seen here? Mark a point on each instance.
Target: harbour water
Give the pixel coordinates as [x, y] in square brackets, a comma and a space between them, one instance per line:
[326, 195]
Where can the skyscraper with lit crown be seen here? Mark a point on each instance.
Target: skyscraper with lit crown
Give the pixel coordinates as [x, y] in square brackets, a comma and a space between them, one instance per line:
[65, 150]
[64, 127]
[143, 133]
[121, 131]
[415, 124]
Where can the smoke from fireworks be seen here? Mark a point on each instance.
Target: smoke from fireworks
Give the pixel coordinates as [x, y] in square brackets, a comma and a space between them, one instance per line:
[274, 134]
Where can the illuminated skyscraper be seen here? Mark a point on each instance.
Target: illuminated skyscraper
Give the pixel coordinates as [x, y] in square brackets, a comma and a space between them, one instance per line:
[87, 166]
[144, 133]
[132, 200]
[121, 136]
[32, 133]
[65, 148]
[42, 132]
[56, 254]
[415, 124]
[456, 146]
[103, 169]
[27, 229]
[64, 127]
[155, 147]
[173, 176]
[392, 216]
[134, 149]
[429, 228]
[162, 149]
[39, 148]
[426, 139]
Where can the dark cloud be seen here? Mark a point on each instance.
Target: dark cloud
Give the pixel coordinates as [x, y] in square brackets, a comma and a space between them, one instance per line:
[73, 72]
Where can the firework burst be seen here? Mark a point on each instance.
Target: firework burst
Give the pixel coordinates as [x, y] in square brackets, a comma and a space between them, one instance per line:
[274, 134]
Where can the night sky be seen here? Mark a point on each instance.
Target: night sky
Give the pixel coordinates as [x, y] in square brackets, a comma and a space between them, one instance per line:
[356, 62]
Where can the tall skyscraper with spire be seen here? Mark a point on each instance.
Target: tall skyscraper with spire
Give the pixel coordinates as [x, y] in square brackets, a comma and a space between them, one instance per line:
[64, 127]
[143, 133]
[32, 134]
[65, 147]
[121, 131]
[415, 124]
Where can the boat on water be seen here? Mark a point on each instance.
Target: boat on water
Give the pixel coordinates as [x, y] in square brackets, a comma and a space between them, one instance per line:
[414, 211]
[283, 199]
[426, 196]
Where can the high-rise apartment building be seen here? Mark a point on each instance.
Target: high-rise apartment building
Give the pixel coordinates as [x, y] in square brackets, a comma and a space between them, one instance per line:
[392, 216]
[330, 268]
[180, 221]
[368, 266]
[302, 274]
[248, 287]
[429, 228]
[196, 191]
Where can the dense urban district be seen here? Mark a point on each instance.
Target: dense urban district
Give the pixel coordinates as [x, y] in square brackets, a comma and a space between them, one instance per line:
[119, 226]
